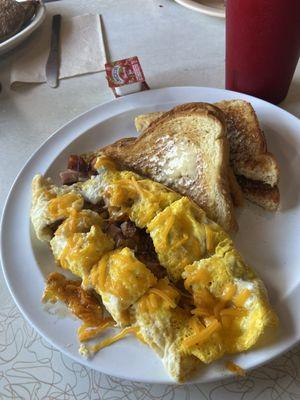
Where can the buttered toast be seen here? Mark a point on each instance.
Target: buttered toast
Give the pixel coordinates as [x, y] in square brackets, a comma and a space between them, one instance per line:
[186, 149]
[256, 169]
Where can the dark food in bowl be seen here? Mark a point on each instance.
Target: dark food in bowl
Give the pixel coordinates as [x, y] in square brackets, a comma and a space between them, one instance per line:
[14, 15]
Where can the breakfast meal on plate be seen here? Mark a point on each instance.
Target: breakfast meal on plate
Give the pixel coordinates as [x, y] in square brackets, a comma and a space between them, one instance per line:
[143, 226]
[14, 15]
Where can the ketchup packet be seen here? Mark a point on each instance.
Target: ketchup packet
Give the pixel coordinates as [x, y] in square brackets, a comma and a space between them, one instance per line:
[125, 76]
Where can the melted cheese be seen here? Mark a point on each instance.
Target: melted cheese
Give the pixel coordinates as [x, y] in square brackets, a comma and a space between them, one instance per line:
[228, 292]
[166, 230]
[83, 248]
[105, 162]
[122, 274]
[212, 307]
[210, 239]
[241, 298]
[164, 296]
[121, 279]
[233, 312]
[91, 350]
[218, 308]
[196, 325]
[200, 276]
[61, 206]
[86, 332]
[140, 198]
[203, 297]
[201, 312]
[201, 336]
[231, 366]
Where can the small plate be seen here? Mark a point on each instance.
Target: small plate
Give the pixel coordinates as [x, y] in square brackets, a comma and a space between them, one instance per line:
[269, 242]
[19, 37]
[215, 8]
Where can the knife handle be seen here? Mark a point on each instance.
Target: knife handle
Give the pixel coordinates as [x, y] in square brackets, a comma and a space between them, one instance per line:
[54, 44]
[52, 66]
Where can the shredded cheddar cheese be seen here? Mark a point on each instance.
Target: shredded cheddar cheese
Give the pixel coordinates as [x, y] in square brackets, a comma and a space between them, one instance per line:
[126, 189]
[231, 366]
[196, 325]
[202, 336]
[86, 332]
[180, 242]
[91, 350]
[223, 308]
[241, 298]
[210, 245]
[228, 292]
[153, 301]
[61, 206]
[204, 298]
[138, 185]
[218, 308]
[164, 296]
[105, 162]
[201, 312]
[233, 312]
[83, 250]
[201, 276]
[226, 321]
[167, 228]
[122, 275]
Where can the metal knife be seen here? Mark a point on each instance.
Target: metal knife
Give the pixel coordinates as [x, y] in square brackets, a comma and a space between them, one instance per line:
[52, 66]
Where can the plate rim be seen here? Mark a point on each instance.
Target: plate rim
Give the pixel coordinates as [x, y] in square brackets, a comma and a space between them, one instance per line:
[36, 153]
[201, 8]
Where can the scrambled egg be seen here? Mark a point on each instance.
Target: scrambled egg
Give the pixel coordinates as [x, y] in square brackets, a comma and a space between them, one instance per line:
[94, 188]
[121, 279]
[79, 243]
[51, 204]
[229, 294]
[141, 199]
[182, 234]
[225, 307]
[160, 322]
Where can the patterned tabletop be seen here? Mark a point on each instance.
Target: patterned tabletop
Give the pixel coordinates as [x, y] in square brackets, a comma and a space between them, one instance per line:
[30, 367]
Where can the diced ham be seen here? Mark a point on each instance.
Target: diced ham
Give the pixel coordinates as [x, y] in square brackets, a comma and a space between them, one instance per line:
[77, 163]
[128, 229]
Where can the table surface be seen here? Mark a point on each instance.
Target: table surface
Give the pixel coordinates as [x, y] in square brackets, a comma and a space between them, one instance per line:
[176, 47]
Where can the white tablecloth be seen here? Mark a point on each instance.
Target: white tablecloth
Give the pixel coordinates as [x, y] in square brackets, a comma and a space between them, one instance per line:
[176, 47]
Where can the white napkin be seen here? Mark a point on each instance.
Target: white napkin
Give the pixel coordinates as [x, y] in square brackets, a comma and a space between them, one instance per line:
[81, 50]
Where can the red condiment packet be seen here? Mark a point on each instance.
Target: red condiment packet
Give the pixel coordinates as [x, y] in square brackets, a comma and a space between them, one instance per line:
[125, 76]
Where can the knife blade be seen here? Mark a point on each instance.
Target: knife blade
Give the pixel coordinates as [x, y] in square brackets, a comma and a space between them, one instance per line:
[52, 66]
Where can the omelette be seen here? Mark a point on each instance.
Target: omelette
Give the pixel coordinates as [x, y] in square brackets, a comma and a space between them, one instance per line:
[157, 265]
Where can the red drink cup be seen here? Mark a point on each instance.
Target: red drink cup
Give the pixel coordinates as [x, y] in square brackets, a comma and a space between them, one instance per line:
[262, 46]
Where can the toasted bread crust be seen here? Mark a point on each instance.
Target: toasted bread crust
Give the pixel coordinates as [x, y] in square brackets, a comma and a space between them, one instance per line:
[148, 155]
[235, 189]
[248, 149]
[260, 193]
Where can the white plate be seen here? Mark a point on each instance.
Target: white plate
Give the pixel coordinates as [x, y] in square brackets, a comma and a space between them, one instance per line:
[24, 33]
[269, 241]
[214, 8]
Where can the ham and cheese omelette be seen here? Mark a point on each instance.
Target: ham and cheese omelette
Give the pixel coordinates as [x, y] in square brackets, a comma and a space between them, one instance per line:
[149, 261]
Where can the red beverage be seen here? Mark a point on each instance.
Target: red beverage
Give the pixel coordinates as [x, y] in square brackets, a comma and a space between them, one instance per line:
[262, 46]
